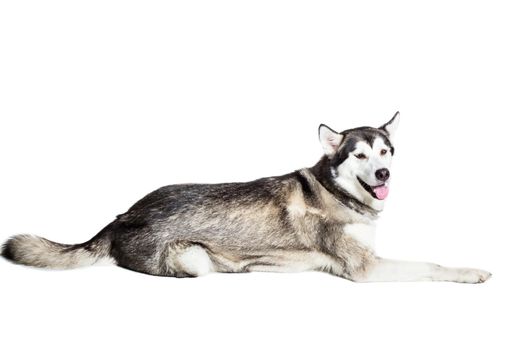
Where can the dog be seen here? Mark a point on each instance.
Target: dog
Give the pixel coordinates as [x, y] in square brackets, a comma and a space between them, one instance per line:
[314, 219]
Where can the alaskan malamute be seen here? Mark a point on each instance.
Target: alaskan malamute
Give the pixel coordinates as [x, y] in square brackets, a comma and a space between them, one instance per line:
[319, 218]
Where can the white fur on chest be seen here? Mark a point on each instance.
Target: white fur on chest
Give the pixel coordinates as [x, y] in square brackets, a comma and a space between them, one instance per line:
[362, 233]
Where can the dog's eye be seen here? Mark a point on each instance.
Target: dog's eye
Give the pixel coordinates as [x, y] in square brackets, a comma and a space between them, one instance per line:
[383, 152]
[361, 156]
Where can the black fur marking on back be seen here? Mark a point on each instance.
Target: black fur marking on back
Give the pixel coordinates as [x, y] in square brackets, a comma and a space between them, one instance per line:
[308, 193]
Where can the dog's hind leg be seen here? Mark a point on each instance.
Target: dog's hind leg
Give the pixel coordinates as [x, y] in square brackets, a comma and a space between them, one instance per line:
[186, 259]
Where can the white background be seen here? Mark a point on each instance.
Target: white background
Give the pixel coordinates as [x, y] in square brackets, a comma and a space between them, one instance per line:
[104, 101]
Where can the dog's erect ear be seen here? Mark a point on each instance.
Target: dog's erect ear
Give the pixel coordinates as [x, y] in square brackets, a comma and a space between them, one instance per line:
[391, 126]
[330, 139]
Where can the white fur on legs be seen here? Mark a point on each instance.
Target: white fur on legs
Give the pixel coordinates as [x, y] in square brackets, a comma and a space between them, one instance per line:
[385, 270]
[192, 260]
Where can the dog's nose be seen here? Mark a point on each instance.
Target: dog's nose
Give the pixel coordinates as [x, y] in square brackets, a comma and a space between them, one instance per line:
[383, 174]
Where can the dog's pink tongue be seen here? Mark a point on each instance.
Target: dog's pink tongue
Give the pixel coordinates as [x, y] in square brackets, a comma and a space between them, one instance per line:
[381, 192]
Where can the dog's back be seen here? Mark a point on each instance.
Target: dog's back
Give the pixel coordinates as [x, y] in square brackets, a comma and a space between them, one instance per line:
[231, 227]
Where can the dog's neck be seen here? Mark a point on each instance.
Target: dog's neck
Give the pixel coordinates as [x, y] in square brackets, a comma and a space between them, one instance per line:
[323, 173]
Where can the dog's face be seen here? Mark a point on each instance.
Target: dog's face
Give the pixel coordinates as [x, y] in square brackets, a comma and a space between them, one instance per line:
[360, 159]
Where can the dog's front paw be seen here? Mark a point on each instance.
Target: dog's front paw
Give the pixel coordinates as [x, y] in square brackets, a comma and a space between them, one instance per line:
[472, 276]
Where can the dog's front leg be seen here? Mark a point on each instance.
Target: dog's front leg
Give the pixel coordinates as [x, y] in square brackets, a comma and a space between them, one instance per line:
[385, 270]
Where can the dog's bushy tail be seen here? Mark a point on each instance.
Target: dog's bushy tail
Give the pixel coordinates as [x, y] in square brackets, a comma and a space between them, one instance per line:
[40, 252]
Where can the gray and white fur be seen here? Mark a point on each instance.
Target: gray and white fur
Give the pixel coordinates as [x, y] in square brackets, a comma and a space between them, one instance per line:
[314, 219]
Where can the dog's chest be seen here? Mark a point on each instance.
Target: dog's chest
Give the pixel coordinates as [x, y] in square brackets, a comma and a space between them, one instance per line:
[362, 233]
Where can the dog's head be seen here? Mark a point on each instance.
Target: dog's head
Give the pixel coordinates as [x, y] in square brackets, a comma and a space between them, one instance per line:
[360, 159]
